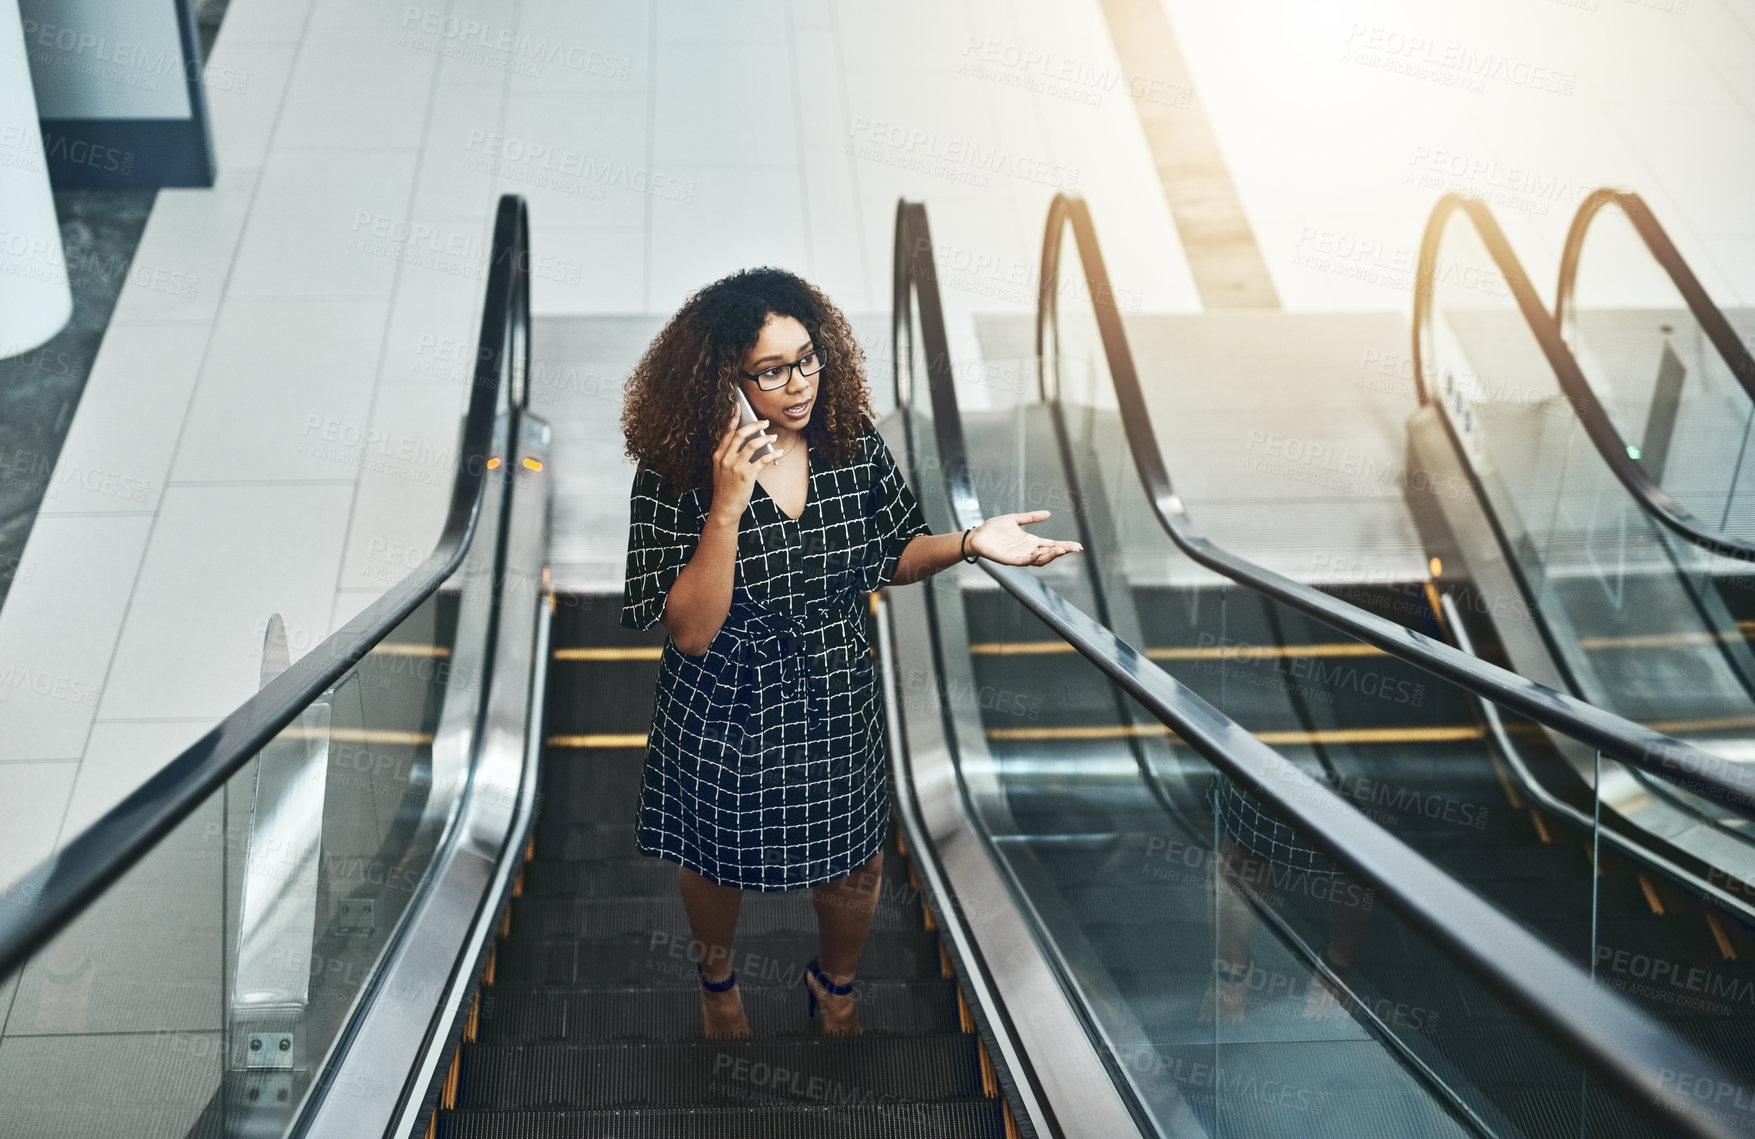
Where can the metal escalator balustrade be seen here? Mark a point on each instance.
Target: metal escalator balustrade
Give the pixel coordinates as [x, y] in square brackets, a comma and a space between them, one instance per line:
[1484, 793]
[1103, 821]
[275, 932]
[1662, 358]
[1626, 610]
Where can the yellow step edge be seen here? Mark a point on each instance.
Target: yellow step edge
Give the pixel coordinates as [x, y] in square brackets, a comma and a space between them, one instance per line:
[602, 652]
[357, 735]
[1666, 640]
[1287, 738]
[600, 739]
[1203, 652]
[398, 649]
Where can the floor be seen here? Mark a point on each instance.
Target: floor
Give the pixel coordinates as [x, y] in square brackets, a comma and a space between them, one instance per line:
[285, 430]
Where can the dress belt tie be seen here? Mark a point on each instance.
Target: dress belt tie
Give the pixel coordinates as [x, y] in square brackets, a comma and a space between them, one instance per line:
[794, 658]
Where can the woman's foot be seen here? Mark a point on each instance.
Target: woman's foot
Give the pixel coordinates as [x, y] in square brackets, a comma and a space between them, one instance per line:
[834, 1000]
[722, 1006]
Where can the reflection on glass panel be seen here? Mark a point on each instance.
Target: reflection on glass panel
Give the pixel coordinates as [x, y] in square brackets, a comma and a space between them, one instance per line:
[1644, 623]
[1682, 411]
[203, 991]
[1307, 984]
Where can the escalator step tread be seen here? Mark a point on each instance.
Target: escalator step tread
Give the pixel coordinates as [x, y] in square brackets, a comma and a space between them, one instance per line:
[568, 840]
[647, 957]
[721, 1073]
[952, 1119]
[776, 1007]
[654, 877]
[762, 914]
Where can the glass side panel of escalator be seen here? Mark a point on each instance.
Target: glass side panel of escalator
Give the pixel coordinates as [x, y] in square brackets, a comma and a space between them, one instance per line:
[1677, 399]
[1204, 937]
[201, 993]
[1638, 619]
[1293, 958]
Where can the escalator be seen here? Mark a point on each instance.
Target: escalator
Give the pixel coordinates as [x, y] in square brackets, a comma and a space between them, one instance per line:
[590, 1023]
[1604, 457]
[394, 894]
[1415, 733]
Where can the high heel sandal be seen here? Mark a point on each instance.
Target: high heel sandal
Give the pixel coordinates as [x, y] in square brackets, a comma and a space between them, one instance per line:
[724, 986]
[815, 970]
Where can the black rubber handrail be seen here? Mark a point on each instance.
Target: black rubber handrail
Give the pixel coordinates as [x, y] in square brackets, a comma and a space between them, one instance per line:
[1613, 735]
[1609, 1036]
[1712, 321]
[1604, 436]
[56, 891]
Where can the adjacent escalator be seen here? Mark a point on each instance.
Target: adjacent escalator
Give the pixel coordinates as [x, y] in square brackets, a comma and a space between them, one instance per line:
[1619, 590]
[1245, 974]
[1461, 778]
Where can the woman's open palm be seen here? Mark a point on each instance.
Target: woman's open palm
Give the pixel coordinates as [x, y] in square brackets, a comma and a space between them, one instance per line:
[1003, 538]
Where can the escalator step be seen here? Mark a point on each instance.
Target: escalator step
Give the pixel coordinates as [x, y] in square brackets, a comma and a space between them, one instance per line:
[1474, 861]
[648, 958]
[655, 877]
[720, 1073]
[600, 696]
[956, 1119]
[672, 1012]
[568, 840]
[595, 619]
[620, 917]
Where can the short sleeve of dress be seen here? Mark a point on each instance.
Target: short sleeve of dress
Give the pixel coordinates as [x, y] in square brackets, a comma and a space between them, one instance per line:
[662, 536]
[896, 517]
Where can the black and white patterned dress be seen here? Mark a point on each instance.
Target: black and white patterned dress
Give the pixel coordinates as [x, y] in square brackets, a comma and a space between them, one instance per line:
[765, 764]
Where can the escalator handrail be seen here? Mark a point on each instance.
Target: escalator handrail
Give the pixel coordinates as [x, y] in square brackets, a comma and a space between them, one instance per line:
[41, 903]
[1607, 1034]
[1603, 434]
[1615, 736]
[1730, 346]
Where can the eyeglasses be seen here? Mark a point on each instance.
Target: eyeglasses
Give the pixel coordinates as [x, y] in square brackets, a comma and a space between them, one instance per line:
[780, 375]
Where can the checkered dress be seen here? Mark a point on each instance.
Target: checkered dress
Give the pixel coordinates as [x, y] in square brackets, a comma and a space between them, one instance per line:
[765, 764]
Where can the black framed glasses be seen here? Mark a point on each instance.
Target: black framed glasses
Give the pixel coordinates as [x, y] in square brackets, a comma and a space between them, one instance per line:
[780, 375]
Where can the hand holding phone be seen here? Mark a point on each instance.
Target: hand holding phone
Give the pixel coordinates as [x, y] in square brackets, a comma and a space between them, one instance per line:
[746, 414]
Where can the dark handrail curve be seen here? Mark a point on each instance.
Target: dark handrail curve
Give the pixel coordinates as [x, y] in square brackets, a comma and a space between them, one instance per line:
[41, 903]
[1607, 1034]
[1619, 738]
[1604, 436]
[1712, 321]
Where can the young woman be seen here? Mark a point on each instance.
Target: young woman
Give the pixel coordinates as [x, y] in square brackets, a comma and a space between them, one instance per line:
[765, 764]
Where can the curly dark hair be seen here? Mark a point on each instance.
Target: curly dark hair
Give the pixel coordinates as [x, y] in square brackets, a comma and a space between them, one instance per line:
[675, 408]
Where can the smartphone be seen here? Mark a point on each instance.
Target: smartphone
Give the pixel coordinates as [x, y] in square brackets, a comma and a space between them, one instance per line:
[746, 415]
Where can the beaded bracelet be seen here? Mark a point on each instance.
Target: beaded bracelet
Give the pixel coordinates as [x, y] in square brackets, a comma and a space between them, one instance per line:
[963, 549]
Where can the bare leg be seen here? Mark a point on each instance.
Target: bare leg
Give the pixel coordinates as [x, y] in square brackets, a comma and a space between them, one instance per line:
[712, 911]
[845, 908]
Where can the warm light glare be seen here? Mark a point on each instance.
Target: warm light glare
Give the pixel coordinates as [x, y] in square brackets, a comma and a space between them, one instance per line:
[493, 464]
[1436, 566]
[533, 464]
